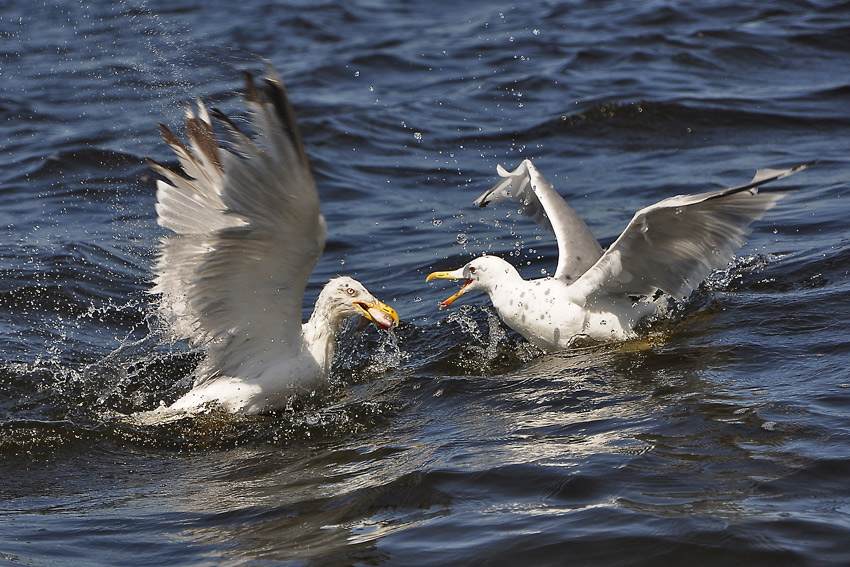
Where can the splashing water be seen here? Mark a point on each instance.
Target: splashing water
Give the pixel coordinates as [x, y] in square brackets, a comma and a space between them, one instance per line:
[489, 345]
[363, 353]
[388, 355]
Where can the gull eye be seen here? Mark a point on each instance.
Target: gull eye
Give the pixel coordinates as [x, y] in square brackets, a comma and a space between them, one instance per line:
[472, 269]
[351, 291]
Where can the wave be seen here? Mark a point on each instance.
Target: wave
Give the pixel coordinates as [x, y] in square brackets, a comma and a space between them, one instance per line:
[663, 120]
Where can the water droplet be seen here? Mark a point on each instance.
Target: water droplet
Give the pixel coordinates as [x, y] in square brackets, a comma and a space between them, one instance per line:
[342, 262]
[417, 299]
[536, 31]
[418, 136]
[437, 222]
[356, 73]
[461, 238]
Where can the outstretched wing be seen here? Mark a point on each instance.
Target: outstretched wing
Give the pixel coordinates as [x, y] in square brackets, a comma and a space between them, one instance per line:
[578, 250]
[247, 233]
[674, 244]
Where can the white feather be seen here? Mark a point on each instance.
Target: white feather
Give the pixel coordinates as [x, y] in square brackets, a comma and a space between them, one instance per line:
[670, 247]
[247, 233]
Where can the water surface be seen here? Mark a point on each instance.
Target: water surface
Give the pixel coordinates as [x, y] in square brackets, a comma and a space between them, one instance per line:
[720, 437]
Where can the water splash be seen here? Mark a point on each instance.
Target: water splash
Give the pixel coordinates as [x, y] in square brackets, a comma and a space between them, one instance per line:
[388, 355]
[489, 340]
[364, 353]
[733, 274]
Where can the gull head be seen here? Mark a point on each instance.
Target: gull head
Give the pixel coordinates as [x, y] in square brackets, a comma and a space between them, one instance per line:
[348, 297]
[480, 274]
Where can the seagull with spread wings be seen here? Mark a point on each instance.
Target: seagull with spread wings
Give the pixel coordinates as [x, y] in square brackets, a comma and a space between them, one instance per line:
[246, 235]
[667, 248]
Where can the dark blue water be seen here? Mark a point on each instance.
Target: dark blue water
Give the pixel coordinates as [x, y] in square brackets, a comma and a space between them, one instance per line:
[720, 438]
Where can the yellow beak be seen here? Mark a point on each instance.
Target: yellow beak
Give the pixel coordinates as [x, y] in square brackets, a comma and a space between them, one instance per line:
[453, 275]
[378, 313]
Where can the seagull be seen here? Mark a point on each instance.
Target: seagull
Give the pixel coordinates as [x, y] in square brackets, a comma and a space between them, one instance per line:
[666, 250]
[246, 235]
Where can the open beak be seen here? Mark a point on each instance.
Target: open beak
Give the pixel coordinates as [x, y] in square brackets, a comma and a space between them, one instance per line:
[453, 275]
[379, 313]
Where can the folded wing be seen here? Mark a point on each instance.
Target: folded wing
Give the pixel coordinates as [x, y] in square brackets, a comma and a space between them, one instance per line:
[674, 244]
[247, 233]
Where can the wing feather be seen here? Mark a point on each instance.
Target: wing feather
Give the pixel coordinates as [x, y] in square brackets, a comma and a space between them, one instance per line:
[578, 250]
[247, 233]
[674, 244]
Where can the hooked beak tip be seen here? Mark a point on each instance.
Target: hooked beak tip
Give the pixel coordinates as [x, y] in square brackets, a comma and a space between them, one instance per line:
[379, 313]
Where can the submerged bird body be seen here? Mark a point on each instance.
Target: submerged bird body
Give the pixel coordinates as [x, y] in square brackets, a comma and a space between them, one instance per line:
[666, 251]
[247, 233]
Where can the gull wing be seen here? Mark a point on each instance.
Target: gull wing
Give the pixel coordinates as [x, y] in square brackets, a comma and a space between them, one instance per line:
[247, 233]
[674, 244]
[536, 199]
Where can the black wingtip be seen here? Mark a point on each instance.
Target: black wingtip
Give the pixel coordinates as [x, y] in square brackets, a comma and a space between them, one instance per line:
[251, 92]
[272, 91]
[482, 200]
[804, 165]
[224, 119]
[166, 133]
[157, 167]
[275, 92]
[761, 182]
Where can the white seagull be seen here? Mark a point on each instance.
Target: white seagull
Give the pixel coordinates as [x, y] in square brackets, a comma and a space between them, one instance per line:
[667, 248]
[247, 235]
